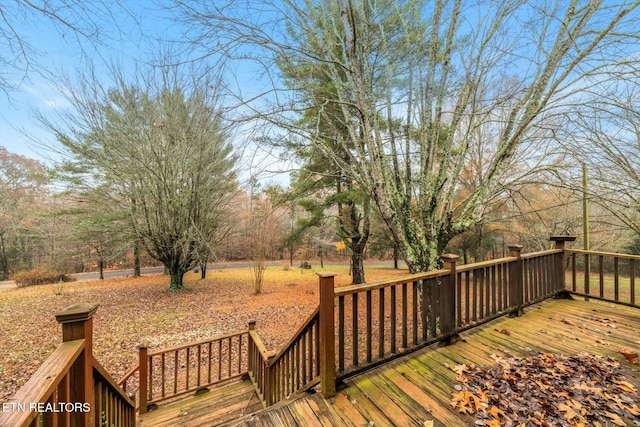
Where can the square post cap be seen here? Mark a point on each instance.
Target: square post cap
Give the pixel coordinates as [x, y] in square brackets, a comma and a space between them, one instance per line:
[77, 313]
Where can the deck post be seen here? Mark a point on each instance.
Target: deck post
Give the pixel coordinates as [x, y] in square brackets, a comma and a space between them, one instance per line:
[448, 300]
[77, 324]
[143, 373]
[560, 274]
[515, 281]
[327, 335]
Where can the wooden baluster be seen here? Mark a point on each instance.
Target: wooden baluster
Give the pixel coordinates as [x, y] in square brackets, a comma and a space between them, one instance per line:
[229, 357]
[327, 335]
[448, 299]
[77, 323]
[176, 356]
[163, 373]
[405, 318]
[369, 332]
[467, 297]
[303, 357]
[239, 354]
[199, 356]
[482, 291]
[381, 323]
[392, 315]
[632, 280]
[574, 281]
[220, 359]
[354, 328]
[341, 328]
[414, 306]
[459, 299]
[601, 274]
[210, 359]
[587, 279]
[616, 279]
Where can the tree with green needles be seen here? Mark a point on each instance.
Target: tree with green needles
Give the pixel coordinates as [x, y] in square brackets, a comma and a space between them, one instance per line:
[159, 145]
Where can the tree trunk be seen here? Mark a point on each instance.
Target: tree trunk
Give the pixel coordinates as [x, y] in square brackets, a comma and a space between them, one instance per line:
[136, 259]
[203, 270]
[357, 267]
[176, 274]
[101, 268]
[4, 262]
[395, 257]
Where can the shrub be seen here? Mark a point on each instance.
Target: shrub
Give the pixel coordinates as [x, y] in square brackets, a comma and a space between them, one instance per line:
[39, 277]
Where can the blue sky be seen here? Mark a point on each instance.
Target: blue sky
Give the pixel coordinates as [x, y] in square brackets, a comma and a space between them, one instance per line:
[59, 51]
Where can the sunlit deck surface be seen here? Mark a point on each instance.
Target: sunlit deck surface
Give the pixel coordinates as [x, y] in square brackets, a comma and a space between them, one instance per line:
[418, 387]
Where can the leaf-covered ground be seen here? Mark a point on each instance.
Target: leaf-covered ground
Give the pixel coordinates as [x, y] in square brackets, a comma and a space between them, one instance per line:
[135, 310]
[547, 390]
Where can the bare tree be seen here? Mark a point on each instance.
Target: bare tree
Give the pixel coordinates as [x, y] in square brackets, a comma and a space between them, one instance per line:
[22, 184]
[412, 83]
[606, 138]
[77, 24]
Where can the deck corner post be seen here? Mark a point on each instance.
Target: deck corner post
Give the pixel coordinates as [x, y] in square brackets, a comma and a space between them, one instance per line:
[448, 300]
[560, 275]
[327, 334]
[77, 324]
[143, 389]
[516, 289]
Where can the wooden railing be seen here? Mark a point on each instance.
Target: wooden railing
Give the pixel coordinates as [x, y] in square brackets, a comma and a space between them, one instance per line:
[354, 328]
[296, 367]
[171, 372]
[603, 275]
[70, 388]
[111, 407]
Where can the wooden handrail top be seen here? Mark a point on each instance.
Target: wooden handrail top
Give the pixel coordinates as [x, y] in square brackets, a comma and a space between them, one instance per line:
[196, 343]
[304, 326]
[128, 375]
[542, 253]
[608, 254]
[262, 349]
[352, 289]
[484, 264]
[44, 382]
[104, 375]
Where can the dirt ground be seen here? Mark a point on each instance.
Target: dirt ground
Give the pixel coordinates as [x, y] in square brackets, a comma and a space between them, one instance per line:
[137, 310]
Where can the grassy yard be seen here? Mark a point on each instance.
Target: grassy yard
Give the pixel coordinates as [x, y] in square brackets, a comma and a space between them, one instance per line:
[136, 310]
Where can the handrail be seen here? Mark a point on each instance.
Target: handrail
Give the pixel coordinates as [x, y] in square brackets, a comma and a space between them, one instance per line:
[42, 385]
[112, 405]
[99, 369]
[542, 253]
[174, 371]
[293, 369]
[352, 289]
[194, 343]
[599, 253]
[122, 382]
[296, 335]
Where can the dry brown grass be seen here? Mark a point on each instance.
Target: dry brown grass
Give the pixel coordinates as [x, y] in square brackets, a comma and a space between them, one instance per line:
[135, 310]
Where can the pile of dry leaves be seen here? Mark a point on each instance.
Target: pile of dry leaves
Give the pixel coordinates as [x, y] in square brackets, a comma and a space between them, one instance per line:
[547, 390]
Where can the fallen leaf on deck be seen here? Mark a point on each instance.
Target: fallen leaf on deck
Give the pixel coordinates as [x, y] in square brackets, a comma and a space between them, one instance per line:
[547, 390]
[629, 355]
[504, 331]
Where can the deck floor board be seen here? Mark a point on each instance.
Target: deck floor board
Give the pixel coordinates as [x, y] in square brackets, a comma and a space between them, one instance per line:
[417, 388]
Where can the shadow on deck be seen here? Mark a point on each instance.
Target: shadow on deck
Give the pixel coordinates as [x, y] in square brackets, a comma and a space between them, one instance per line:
[417, 388]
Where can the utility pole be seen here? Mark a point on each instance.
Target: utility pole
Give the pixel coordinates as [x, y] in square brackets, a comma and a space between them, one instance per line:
[585, 207]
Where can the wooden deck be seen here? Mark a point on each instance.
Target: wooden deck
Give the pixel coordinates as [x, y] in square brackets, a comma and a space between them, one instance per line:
[417, 388]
